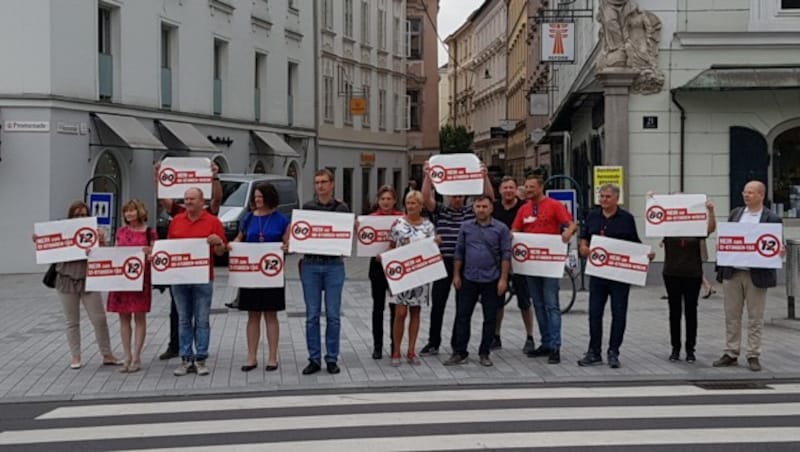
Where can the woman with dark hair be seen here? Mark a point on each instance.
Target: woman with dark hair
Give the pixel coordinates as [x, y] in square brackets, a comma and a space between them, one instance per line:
[387, 199]
[264, 223]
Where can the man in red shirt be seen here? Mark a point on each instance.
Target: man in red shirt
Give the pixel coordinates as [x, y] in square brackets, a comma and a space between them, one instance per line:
[544, 215]
[193, 301]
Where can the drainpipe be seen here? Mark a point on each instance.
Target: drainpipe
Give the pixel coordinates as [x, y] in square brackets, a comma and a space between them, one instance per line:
[674, 93]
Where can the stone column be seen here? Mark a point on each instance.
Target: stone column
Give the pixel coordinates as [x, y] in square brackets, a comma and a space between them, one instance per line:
[616, 83]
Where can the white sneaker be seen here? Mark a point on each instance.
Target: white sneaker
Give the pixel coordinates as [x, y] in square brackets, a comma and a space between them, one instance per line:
[183, 369]
[201, 368]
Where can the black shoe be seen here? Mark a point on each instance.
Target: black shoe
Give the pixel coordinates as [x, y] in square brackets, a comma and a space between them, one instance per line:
[377, 353]
[496, 343]
[248, 368]
[333, 368]
[539, 352]
[485, 361]
[554, 358]
[613, 361]
[725, 361]
[590, 359]
[675, 355]
[529, 346]
[455, 359]
[753, 364]
[169, 354]
[429, 350]
[233, 304]
[311, 368]
[690, 358]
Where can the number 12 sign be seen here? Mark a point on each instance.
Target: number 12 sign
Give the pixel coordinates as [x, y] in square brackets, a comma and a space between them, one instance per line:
[750, 245]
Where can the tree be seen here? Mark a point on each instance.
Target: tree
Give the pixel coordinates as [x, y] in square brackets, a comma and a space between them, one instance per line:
[454, 140]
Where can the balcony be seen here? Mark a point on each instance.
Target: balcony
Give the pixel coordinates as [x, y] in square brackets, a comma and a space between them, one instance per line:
[257, 104]
[106, 75]
[166, 87]
[217, 96]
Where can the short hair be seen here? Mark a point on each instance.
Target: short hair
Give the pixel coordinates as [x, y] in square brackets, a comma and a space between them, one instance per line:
[387, 189]
[324, 172]
[416, 194]
[139, 207]
[508, 179]
[535, 176]
[482, 198]
[614, 188]
[268, 192]
[74, 207]
[197, 189]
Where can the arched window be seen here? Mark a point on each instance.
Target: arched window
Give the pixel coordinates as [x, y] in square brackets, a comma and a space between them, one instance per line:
[107, 165]
[222, 164]
[786, 173]
[259, 168]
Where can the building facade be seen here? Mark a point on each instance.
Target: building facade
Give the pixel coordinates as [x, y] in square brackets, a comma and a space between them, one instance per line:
[109, 88]
[517, 49]
[444, 92]
[460, 74]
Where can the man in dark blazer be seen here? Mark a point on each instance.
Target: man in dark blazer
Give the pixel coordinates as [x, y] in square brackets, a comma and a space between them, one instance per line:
[746, 287]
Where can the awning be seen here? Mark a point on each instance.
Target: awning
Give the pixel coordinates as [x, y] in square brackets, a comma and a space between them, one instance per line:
[186, 136]
[275, 143]
[130, 131]
[745, 78]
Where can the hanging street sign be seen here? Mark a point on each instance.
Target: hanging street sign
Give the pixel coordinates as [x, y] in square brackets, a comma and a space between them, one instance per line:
[558, 42]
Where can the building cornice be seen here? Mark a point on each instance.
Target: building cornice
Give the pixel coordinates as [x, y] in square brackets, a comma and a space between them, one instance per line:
[718, 39]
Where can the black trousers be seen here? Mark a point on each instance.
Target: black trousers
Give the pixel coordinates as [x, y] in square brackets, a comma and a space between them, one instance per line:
[173, 324]
[379, 286]
[439, 294]
[465, 305]
[682, 294]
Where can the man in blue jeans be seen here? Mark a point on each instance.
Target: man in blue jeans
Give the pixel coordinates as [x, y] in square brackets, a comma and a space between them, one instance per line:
[193, 301]
[319, 274]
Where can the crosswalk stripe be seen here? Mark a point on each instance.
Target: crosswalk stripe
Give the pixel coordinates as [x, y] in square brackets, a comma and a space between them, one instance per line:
[529, 440]
[354, 399]
[93, 433]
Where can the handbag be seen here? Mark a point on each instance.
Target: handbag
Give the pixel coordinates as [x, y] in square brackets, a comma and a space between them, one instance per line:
[50, 275]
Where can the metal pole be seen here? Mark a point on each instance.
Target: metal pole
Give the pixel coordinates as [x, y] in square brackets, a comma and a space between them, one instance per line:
[579, 189]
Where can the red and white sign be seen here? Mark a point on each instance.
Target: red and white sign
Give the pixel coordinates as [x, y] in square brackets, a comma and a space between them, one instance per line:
[256, 265]
[372, 236]
[321, 232]
[180, 261]
[750, 245]
[120, 269]
[676, 216]
[65, 240]
[177, 174]
[413, 265]
[618, 260]
[456, 174]
[558, 42]
[538, 255]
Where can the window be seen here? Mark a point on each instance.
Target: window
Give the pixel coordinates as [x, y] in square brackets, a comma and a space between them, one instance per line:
[291, 88]
[167, 59]
[366, 196]
[327, 14]
[397, 110]
[347, 186]
[786, 173]
[382, 178]
[327, 88]
[105, 62]
[104, 31]
[790, 4]
[414, 110]
[220, 55]
[365, 30]
[396, 37]
[348, 94]
[348, 18]
[382, 29]
[259, 85]
[382, 109]
[414, 38]
[366, 75]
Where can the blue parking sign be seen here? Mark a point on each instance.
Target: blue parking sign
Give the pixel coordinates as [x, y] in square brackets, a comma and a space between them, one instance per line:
[101, 205]
[569, 198]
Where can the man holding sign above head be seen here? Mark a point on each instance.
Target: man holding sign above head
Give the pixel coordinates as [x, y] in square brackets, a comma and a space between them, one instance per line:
[746, 287]
[449, 218]
[613, 222]
[544, 215]
[193, 301]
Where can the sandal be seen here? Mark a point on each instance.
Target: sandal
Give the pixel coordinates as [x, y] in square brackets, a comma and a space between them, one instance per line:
[396, 360]
[413, 359]
[134, 367]
[709, 293]
[123, 369]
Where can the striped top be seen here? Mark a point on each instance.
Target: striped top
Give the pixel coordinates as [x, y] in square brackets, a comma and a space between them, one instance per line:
[448, 223]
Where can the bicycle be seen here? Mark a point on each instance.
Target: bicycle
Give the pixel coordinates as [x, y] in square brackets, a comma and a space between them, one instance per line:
[566, 294]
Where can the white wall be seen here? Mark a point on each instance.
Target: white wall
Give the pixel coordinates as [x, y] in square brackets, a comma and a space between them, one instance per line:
[25, 51]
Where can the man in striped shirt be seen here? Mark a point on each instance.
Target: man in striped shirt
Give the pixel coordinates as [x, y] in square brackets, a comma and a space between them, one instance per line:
[448, 219]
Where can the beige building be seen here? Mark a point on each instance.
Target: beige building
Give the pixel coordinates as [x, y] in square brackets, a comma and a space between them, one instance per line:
[444, 93]
[516, 88]
[460, 75]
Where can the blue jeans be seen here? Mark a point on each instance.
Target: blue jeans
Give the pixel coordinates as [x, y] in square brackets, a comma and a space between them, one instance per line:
[465, 306]
[317, 277]
[544, 292]
[600, 290]
[193, 302]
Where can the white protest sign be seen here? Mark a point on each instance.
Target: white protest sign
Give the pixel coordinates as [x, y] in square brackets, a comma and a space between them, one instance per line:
[749, 245]
[538, 255]
[180, 261]
[65, 240]
[373, 234]
[413, 265]
[120, 269]
[177, 174]
[676, 216]
[456, 174]
[321, 232]
[618, 260]
[256, 265]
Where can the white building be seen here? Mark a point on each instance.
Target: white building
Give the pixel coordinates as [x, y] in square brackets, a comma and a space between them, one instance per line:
[362, 48]
[444, 96]
[109, 87]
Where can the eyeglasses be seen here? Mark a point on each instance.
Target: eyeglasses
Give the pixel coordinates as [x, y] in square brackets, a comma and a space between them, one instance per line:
[536, 210]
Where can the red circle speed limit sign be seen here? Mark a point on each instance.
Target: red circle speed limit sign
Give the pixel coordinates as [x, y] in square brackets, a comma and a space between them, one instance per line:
[160, 261]
[598, 257]
[656, 215]
[520, 252]
[167, 177]
[132, 268]
[85, 238]
[395, 270]
[271, 264]
[301, 230]
[768, 245]
[438, 174]
[367, 235]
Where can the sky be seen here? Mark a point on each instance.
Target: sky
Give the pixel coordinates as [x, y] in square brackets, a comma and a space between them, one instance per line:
[452, 14]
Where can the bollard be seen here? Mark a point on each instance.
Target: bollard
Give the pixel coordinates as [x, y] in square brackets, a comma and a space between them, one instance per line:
[792, 275]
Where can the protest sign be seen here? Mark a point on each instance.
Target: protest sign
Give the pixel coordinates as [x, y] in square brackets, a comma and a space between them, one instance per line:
[372, 236]
[180, 261]
[321, 232]
[618, 260]
[456, 174]
[120, 269]
[413, 265]
[750, 245]
[256, 265]
[177, 174]
[538, 255]
[676, 216]
[65, 240]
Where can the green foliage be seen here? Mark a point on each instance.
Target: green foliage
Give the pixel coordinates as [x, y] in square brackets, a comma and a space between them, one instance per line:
[453, 140]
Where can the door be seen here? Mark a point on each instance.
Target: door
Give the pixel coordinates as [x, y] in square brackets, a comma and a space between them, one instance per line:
[749, 160]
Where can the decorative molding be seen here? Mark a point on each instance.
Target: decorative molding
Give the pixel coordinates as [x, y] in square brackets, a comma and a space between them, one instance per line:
[739, 39]
[293, 35]
[260, 22]
[223, 6]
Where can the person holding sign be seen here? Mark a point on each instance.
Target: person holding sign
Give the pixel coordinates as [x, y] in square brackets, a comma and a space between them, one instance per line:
[612, 221]
[483, 252]
[264, 223]
[746, 287]
[410, 228]
[193, 301]
[449, 218]
[544, 215]
[318, 274]
[387, 199]
[134, 305]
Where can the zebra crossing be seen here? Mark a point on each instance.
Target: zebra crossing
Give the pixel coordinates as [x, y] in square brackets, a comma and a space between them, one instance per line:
[440, 419]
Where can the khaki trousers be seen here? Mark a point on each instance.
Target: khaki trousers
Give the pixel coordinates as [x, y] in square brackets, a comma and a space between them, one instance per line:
[93, 304]
[740, 293]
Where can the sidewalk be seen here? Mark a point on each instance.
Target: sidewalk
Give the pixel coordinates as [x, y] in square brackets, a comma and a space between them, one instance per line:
[34, 356]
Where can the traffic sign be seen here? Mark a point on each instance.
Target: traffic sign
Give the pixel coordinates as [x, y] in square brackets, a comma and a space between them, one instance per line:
[568, 197]
[101, 205]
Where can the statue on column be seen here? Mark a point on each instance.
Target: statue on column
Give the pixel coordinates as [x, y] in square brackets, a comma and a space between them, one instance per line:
[629, 38]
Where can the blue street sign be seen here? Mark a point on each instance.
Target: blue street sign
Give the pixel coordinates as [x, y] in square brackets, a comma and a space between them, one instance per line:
[101, 205]
[568, 197]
